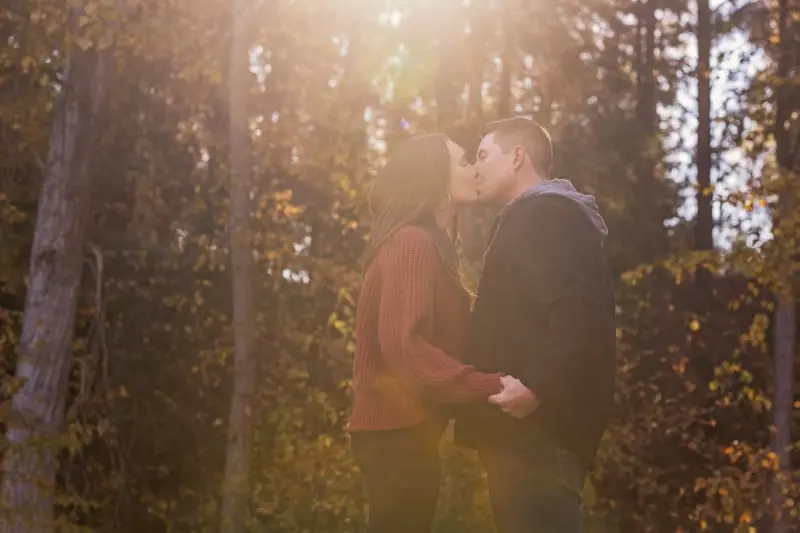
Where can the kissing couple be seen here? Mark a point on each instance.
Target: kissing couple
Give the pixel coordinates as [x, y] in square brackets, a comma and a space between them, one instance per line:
[527, 374]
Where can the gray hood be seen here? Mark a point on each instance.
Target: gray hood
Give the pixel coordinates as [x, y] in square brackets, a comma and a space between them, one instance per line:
[565, 188]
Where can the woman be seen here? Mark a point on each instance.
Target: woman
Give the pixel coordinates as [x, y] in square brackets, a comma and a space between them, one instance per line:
[410, 329]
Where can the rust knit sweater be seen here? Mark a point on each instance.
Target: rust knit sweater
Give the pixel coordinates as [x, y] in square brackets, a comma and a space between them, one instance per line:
[410, 329]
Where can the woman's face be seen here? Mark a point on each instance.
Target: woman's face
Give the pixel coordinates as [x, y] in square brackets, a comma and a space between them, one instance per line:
[463, 187]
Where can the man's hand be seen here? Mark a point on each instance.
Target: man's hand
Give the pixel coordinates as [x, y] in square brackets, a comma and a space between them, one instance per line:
[515, 399]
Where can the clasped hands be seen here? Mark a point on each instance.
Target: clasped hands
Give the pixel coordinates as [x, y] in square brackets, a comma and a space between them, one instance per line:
[515, 399]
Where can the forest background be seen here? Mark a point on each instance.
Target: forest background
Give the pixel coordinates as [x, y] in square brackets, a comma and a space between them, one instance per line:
[182, 210]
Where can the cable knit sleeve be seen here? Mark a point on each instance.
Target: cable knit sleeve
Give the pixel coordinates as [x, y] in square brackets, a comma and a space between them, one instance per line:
[409, 264]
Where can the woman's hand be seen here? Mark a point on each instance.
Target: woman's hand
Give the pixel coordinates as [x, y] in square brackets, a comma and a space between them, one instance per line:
[515, 399]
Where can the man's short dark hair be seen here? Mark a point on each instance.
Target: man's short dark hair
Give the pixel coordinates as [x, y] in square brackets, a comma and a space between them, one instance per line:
[525, 132]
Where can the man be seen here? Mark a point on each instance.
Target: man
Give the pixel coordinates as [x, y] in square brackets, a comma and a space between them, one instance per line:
[544, 313]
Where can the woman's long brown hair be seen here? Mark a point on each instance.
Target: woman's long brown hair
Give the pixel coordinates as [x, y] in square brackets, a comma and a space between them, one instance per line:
[409, 190]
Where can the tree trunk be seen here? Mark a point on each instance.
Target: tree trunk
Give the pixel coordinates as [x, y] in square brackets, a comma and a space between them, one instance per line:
[651, 240]
[785, 329]
[446, 75]
[30, 463]
[504, 85]
[475, 43]
[236, 485]
[645, 80]
[704, 222]
[704, 225]
[785, 333]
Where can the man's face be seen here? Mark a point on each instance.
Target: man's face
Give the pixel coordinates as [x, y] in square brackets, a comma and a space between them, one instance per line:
[494, 170]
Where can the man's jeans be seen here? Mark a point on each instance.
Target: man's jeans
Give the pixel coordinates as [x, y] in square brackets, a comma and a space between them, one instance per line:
[535, 487]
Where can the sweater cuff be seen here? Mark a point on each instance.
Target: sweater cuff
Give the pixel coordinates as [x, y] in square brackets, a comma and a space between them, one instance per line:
[485, 385]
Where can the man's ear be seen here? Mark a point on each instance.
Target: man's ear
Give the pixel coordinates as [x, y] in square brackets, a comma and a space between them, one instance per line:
[519, 157]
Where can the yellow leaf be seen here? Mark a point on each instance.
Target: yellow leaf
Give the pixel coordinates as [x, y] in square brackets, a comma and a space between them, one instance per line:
[28, 64]
[694, 325]
[84, 43]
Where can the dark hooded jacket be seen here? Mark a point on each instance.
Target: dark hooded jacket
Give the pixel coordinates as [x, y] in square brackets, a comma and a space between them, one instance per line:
[545, 314]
